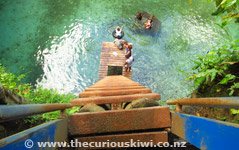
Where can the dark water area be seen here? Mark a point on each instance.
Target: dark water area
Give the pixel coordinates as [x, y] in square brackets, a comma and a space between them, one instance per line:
[58, 43]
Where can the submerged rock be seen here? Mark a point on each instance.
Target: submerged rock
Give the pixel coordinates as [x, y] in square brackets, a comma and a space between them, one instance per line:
[91, 108]
[141, 103]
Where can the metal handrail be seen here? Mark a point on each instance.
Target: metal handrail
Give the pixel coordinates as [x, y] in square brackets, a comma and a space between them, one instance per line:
[10, 112]
[225, 102]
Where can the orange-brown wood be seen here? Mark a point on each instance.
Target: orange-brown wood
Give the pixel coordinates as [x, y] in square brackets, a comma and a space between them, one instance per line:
[114, 92]
[108, 58]
[114, 88]
[114, 85]
[114, 80]
[113, 99]
[119, 120]
[152, 137]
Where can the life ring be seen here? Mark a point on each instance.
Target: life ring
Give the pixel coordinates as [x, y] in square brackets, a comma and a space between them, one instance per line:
[118, 37]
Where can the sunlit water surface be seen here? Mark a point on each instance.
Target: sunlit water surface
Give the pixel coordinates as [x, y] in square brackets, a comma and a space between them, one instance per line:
[58, 43]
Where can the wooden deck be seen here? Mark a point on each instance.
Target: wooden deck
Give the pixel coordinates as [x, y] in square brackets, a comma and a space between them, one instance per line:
[111, 56]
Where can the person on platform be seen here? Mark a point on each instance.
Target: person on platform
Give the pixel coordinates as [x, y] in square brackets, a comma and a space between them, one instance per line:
[128, 51]
[121, 44]
[128, 63]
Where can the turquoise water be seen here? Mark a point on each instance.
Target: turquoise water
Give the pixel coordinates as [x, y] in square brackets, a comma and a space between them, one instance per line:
[58, 42]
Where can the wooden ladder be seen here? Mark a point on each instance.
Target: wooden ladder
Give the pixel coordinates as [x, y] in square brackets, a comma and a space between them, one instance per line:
[142, 124]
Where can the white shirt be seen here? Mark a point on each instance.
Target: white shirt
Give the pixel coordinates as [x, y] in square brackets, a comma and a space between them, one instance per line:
[130, 61]
[117, 33]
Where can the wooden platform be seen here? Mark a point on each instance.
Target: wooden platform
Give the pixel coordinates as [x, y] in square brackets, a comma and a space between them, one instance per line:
[111, 56]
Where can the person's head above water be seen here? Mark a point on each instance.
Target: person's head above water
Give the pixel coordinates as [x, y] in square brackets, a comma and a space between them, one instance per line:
[118, 28]
[139, 16]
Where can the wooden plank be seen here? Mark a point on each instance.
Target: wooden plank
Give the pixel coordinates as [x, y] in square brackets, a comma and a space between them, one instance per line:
[116, 88]
[113, 99]
[114, 92]
[119, 85]
[115, 83]
[134, 139]
[119, 120]
[205, 133]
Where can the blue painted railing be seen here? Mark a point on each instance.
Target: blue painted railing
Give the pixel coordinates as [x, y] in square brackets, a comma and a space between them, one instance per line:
[204, 133]
[54, 131]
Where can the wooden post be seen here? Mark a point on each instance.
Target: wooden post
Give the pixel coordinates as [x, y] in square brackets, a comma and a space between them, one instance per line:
[62, 114]
[178, 108]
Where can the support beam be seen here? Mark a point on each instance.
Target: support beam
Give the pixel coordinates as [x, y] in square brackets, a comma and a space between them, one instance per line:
[119, 120]
[134, 139]
[224, 102]
[116, 88]
[9, 112]
[114, 92]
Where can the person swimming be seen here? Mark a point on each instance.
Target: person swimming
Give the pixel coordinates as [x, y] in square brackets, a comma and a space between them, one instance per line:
[148, 24]
[139, 16]
[118, 32]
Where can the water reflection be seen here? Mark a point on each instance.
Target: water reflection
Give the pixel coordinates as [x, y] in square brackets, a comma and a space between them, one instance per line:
[71, 63]
[67, 61]
[66, 41]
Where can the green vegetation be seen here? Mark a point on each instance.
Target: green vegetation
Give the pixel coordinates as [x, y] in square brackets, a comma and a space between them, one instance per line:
[35, 95]
[216, 73]
[227, 8]
[218, 68]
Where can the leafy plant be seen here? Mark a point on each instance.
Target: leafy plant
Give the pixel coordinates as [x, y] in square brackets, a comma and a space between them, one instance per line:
[35, 95]
[228, 8]
[215, 66]
[234, 111]
[233, 87]
[222, 118]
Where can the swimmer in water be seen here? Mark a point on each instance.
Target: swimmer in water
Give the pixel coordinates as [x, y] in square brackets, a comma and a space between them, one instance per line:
[148, 24]
[139, 16]
[118, 32]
